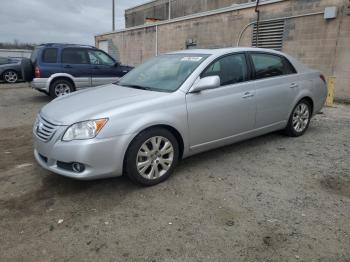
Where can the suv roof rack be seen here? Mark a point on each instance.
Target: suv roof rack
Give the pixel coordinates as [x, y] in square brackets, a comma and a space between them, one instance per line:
[66, 44]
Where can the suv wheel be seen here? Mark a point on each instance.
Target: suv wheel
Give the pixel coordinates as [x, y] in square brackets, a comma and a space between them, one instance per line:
[152, 156]
[61, 87]
[10, 76]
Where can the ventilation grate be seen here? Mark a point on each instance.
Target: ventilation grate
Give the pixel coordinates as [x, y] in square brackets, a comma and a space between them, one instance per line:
[270, 35]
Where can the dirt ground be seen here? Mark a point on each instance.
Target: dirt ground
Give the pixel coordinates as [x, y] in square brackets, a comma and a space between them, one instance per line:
[272, 198]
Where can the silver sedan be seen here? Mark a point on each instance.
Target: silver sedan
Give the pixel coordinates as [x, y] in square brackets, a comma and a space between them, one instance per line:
[173, 106]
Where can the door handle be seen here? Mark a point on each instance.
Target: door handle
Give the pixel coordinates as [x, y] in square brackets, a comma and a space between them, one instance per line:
[247, 95]
[67, 66]
[293, 85]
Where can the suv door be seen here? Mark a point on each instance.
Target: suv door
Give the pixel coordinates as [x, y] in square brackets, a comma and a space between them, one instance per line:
[216, 116]
[104, 69]
[75, 62]
[276, 84]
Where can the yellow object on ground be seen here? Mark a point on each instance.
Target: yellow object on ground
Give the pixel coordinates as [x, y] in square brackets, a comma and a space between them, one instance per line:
[331, 89]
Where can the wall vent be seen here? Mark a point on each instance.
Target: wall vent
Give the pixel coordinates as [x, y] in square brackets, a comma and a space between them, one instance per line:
[270, 35]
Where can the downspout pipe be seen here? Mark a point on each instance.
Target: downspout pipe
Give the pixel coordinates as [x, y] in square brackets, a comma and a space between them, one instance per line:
[257, 11]
[274, 19]
[156, 40]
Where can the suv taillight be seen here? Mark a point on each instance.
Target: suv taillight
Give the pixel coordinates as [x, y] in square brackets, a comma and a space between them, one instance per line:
[323, 79]
[37, 72]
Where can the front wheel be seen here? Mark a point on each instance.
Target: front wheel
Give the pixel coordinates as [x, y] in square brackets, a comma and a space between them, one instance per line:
[10, 76]
[299, 120]
[61, 87]
[152, 156]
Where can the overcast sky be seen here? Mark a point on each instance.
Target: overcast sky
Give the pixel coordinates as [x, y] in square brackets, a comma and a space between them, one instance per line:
[73, 21]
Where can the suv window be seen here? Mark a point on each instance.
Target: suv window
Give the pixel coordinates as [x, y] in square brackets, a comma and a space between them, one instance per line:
[34, 54]
[74, 56]
[100, 58]
[231, 69]
[3, 60]
[50, 55]
[267, 65]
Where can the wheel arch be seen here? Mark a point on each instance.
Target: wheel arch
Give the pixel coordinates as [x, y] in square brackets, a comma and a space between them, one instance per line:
[62, 77]
[169, 128]
[306, 97]
[311, 102]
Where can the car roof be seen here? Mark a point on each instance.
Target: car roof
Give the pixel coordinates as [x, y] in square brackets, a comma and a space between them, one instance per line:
[222, 51]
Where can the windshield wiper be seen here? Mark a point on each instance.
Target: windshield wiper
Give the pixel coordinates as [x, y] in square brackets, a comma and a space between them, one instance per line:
[137, 87]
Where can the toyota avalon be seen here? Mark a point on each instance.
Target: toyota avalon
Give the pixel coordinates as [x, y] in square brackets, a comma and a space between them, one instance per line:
[173, 106]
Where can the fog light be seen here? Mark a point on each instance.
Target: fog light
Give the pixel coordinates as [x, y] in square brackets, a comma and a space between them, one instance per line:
[77, 167]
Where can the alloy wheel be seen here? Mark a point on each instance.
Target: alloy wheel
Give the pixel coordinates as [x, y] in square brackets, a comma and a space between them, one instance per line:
[11, 77]
[301, 117]
[155, 157]
[62, 89]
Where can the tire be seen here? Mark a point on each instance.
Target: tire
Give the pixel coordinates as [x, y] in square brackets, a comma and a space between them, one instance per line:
[142, 150]
[299, 119]
[10, 76]
[61, 87]
[27, 69]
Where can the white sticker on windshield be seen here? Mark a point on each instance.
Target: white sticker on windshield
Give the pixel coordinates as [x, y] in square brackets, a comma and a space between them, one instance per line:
[192, 58]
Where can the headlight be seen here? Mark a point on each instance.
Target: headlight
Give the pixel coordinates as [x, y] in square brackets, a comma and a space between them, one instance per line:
[84, 130]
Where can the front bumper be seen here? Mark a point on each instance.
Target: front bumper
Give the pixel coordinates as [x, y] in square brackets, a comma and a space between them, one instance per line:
[101, 157]
[41, 84]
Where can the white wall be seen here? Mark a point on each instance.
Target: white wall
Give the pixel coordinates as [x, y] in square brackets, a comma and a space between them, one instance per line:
[15, 53]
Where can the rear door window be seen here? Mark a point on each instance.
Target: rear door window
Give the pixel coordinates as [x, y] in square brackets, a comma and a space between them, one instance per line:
[50, 55]
[74, 56]
[269, 65]
[231, 69]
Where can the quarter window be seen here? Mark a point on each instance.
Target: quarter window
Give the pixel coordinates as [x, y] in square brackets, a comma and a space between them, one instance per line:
[50, 55]
[267, 65]
[231, 69]
[74, 56]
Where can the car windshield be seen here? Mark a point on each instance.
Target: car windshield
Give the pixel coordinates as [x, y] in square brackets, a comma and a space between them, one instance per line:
[165, 73]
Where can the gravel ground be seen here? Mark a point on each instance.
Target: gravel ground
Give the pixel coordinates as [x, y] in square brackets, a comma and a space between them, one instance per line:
[272, 198]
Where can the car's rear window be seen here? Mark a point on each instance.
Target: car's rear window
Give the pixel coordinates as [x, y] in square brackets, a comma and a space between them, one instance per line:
[50, 55]
[34, 55]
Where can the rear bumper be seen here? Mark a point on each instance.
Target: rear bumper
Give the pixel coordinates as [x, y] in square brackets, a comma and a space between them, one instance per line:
[41, 84]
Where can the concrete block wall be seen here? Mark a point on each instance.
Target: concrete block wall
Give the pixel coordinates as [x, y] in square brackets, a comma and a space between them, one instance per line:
[321, 44]
[160, 9]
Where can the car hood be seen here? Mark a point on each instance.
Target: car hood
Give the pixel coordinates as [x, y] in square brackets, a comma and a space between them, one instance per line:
[94, 103]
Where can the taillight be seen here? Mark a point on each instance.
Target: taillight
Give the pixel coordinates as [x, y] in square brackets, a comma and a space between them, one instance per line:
[323, 79]
[37, 72]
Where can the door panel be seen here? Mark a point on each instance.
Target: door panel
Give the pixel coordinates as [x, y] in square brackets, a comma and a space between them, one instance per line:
[274, 97]
[225, 111]
[220, 113]
[276, 87]
[76, 63]
[104, 69]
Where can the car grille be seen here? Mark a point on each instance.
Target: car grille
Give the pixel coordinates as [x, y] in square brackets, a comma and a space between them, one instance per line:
[45, 130]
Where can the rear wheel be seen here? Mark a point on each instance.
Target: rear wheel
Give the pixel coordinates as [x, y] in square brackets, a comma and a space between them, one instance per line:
[152, 156]
[61, 87]
[299, 120]
[10, 76]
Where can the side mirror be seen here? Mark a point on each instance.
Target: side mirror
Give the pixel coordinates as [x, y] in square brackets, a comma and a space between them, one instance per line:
[209, 82]
[116, 64]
